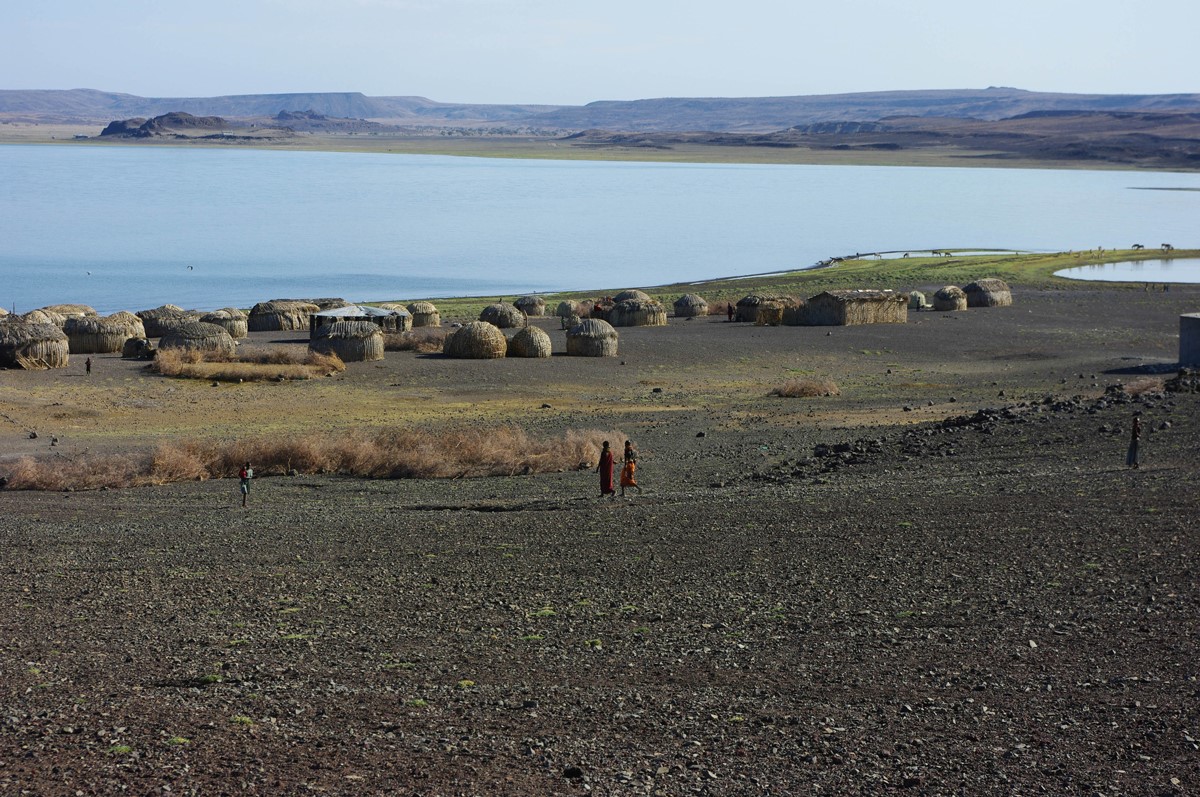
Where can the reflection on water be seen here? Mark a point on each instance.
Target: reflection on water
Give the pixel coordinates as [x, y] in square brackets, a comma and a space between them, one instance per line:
[1181, 270]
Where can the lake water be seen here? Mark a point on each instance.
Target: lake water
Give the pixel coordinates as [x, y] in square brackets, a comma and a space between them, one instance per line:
[133, 227]
[1179, 270]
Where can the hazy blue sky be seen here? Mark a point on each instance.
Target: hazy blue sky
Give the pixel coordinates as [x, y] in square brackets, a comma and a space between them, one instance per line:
[564, 51]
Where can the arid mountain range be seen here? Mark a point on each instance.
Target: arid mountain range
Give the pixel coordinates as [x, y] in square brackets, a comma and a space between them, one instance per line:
[744, 115]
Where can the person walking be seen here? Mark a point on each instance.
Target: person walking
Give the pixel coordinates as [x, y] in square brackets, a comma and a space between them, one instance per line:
[729, 312]
[1133, 458]
[244, 477]
[629, 470]
[605, 469]
[87, 366]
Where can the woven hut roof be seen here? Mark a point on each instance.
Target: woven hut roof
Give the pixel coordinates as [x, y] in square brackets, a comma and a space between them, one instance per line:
[568, 308]
[280, 315]
[42, 316]
[530, 342]
[161, 320]
[233, 320]
[949, 292]
[70, 310]
[950, 297]
[637, 313]
[350, 340]
[631, 294]
[33, 347]
[592, 338]
[425, 314]
[531, 305]
[92, 335]
[327, 303]
[477, 340]
[198, 335]
[422, 307]
[504, 316]
[690, 305]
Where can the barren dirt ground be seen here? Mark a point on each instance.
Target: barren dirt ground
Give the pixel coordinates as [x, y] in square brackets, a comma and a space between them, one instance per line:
[942, 581]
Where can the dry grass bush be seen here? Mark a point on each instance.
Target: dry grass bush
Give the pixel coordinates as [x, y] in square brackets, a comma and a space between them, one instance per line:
[422, 340]
[806, 388]
[1145, 385]
[254, 365]
[386, 454]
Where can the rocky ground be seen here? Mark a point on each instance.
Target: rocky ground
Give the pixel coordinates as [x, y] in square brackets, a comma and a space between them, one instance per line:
[942, 581]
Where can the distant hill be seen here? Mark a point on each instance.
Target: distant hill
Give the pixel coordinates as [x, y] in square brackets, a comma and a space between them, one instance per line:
[765, 114]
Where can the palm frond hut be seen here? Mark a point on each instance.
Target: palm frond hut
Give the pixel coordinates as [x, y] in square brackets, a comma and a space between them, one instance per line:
[387, 320]
[950, 297]
[504, 316]
[917, 301]
[477, 340]
[92, 335]
[198, 336]
[531, 305]
[41, 316]
[690, 305]
[592, 338]
[137, 349]
[794, 315]
[599, 308]
[232, 319]
[325, 303]
[570, 309]
[354, 341]
[280, 315]
[71, 310]
[161, 320]
[632, 294]
[749, 307]
[638, 313]
[847, 307]
[425, 314]
[530, 342]
[988, 292]
[33, 347]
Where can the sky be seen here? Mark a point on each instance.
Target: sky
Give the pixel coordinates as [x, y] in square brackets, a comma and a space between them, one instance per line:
[574, 52]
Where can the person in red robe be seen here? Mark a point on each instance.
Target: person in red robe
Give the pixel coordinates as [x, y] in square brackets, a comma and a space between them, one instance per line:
[605, 469]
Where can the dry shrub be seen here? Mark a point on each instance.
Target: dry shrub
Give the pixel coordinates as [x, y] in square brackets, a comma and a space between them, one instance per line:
[1148, 384]
[386, 454]
[806, 388]
[721, 308]
[256, 365]
[422, 340]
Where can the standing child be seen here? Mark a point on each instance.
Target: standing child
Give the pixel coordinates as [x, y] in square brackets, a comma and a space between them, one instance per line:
[244, 477]
[605, 469]
[629, 469]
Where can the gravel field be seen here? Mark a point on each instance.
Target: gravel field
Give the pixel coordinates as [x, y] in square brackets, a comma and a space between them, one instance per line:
[942, 581]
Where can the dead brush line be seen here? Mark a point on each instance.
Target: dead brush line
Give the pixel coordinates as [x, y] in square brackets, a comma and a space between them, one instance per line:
[386, 454]
[254, 365]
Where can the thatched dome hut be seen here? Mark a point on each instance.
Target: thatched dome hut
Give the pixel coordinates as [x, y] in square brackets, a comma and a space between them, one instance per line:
[161, 320]
[477, 340]
[280, 315]
[570, 309]
[504, 316]
[950, 297]
[137, 349]
[531, 305]
[988, 292]
[592, 338]
[91, 335]
[599, 308]
[530, 342]
[631, 294]
[231, 318]
[352, 341]
[690, 305]
[324, 303]
[917, 301]
[41, 316]
[198, 336]
[34, 347]
[750, 307]
[424, 314]
[71, 310]
[638, 313]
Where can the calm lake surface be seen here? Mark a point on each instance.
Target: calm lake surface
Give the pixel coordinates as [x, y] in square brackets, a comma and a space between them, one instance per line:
[132, 228]
[1180, 270]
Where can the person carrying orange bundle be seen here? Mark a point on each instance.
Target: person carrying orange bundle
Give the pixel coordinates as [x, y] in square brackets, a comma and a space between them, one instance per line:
[629, 469]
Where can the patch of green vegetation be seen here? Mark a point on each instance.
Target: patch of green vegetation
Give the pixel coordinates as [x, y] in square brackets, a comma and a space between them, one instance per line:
[466, 683]
[545, 611]
[906, 613]
[241, 719]
[417, 702]
[292, 637]
[120, 749]
[594, 644]
[179, 740]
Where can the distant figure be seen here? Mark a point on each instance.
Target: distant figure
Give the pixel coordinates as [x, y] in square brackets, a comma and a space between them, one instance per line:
[87, 366]
[728, 311]
[244, 477]
[1167, 247]
[1139, 246]
[629, 469]
[1133, 459]
[605, 469]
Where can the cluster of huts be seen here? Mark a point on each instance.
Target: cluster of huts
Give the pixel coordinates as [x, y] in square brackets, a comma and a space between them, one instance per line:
[46, 337]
